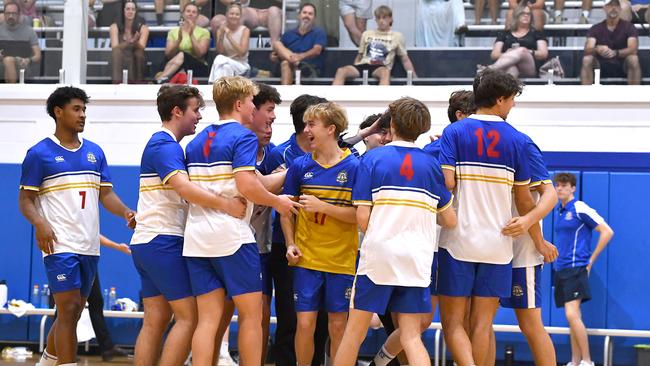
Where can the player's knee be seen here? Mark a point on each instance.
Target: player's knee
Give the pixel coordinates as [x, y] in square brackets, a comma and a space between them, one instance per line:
[336, 327]
[69, 311]
[305, 323]
[531, 327]
[9, 61]
[425, 322]
[572, 315]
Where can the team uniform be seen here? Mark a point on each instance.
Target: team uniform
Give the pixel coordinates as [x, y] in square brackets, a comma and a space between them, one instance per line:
[323, 277]
[433, 149]
[157, 243]
[573, 230]
[220, 249]
[527, 262]
[68, 183]
[406, 189]
[261, 224]
[488, 157]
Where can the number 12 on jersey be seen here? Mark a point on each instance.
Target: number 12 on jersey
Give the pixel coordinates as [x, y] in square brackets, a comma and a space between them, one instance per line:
[493, 136]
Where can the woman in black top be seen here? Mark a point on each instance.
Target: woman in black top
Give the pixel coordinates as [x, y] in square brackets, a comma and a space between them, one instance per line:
[129, 36]
[516, 51]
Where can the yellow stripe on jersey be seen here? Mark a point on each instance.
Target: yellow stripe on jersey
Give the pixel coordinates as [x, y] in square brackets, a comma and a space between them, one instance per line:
[339, 196]
[485, 178]
[211, 178]
[243, 168]
[156, 187]
[404, 202]
[451, 200]
[540, 182]
[30, 188]
[62, 187]
[449, 167]
[522, 183]
[329, 188]
[106, 184]
[362, 203]
[170, 175]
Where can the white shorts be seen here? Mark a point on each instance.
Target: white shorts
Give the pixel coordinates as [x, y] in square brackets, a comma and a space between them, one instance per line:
[360, 8]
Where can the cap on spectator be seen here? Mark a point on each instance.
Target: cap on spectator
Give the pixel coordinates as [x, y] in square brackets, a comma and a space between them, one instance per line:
[614, 2]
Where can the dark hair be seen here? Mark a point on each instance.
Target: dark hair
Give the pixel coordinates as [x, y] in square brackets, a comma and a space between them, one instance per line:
[298, 108]
[460, 100]
[62, 96]
[138, 21]
[302, 6]
[492, 84]
[267, 93]
[4, 7]
[410, 118]
[565, 178]
[170, 96]
[370, 120]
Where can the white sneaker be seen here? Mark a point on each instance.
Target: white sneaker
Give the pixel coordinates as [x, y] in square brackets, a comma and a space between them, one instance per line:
[587, 363]
[570, 363]
[226, 360]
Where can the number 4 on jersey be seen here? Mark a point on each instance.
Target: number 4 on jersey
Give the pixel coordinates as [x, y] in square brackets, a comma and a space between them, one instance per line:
[406, 170]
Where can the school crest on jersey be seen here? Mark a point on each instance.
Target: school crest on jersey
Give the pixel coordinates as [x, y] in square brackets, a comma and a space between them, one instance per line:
[91, 158]
[569, 216]
[59, 159]
[342, 177]
[308, 175]
[517, 291]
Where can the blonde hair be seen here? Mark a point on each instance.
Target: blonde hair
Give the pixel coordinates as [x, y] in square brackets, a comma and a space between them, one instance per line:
[409, 117]
[229, 89]
[517, 12]
[329, 114]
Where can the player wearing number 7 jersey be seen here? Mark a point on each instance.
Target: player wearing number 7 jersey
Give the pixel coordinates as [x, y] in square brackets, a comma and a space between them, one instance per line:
[483, 159]
[64, 177]
[322, 241]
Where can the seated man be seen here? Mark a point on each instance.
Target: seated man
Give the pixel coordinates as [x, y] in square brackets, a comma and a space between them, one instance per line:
[612, 47]
[377, 51]
[256, 13]
[302, 47]
[14, 29]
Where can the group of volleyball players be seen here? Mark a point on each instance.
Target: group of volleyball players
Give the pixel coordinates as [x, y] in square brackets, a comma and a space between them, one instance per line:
[203, 244]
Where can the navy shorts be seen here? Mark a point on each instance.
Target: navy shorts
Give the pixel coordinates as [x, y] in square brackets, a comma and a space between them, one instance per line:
[465, 279]
[162, 267]
[571, 284]
[238, 273]
[70, 271]
[526, 289]
[380, 299]
[316, 290]
[267, 280]
[433, 286]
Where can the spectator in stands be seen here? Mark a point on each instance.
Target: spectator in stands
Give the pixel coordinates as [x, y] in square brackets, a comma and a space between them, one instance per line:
[635, 11]
[355, 15]
[205, 9]
[516, 50]
[129, 37]
[559, 8]
[255, 13]
[232, 45]
[537, 9]
[493, 6]
[438, 22]
[377, 51]
[302, 47]
[187, 47]
[612, 47]
[14, 29]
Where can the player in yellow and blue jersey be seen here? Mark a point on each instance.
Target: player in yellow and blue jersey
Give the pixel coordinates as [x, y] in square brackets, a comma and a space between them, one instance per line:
[400, 194]
[64, 177]
[322, 241]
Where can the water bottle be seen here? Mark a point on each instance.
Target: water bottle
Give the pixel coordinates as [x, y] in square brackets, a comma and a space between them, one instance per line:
[45, 297]
[509, 357]
[260, 44]
[112, 298]
[106, 299]
[3, 293]
[35, 295]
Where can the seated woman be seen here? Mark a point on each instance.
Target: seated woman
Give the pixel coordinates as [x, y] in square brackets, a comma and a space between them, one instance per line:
[187, 47]
[232, 46]
[516, 51]
[129, 36]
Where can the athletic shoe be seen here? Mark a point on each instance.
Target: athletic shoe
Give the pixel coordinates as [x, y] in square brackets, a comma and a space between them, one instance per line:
[114, 352]
[226, 360]
[583, 20]
[570, 364]
[558, 19]
[587, 363]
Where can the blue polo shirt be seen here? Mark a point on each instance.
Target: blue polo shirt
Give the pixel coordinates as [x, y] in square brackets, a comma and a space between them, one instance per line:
[298, 43]
[573, 230]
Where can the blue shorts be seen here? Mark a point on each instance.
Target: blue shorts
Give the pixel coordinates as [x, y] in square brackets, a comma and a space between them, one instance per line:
[465, 279]
[238, 273]
[267, 280]
[70, 271]
[433, 286]
[380, 299]
[317, 290]
[162, 267]
[526, 290]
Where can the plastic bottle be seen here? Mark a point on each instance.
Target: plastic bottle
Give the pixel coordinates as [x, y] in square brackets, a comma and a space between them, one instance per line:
[112, 298]
[36, 295]
[45, 297]
[3, 293]
[106, 299]
[509, 357]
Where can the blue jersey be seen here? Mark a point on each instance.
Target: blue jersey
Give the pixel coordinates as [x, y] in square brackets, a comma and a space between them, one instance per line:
[261, 218]
[213, 158]
[406, 189]
[488, 157]
[573, 229]
[68, 183]
[433, 148]
[327, 244]
[160, 209]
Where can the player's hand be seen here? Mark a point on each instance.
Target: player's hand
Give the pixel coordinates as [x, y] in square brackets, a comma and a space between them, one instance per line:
[236, 207]
[45, 237]
[589, 268]
[548, 250]
[124, 248]
[517, 226]
[285, 206]
[311, 203]
[279, 169]
[293, 254]
[129, 216]
[434, 137]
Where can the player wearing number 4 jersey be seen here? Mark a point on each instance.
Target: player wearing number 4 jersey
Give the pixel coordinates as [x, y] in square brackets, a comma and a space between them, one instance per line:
[483, 158]
[64, 177]
[399, 194]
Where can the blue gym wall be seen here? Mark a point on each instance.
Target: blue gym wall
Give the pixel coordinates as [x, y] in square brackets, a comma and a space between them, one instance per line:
[613, 184]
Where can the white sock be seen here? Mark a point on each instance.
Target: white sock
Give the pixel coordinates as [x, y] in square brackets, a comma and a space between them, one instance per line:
[585, 13]
[224, 349]
[382, 358]
[558, 13]
[47, 359]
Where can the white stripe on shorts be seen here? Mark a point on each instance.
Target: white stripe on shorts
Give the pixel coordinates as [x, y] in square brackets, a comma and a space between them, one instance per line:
[530, 287]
